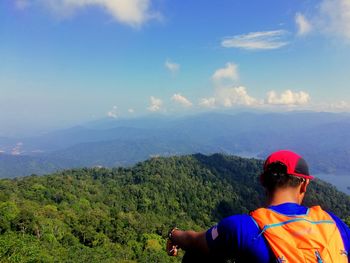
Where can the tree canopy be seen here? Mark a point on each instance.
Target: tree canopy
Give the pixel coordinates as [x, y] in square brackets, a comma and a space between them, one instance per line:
[124, 214]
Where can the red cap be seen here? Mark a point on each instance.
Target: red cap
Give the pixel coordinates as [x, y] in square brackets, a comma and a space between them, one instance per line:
[294, 163]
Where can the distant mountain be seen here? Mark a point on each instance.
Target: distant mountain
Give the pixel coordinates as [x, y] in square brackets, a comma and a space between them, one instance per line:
[322, 138]
[128, 152]
[69, 137]
[124, 214]
[18, 165]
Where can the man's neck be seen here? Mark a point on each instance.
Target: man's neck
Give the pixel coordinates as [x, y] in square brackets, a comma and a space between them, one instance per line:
[282, 196]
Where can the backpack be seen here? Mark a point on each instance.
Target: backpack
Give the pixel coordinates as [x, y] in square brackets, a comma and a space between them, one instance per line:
[313, 237]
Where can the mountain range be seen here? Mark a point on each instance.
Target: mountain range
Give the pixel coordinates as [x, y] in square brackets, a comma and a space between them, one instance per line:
[322, 138]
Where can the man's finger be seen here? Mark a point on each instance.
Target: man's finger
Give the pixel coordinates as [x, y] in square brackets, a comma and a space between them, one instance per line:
[173, 251]
[171, 248]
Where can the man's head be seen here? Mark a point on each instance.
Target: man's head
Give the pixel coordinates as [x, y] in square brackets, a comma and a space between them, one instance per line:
[285, 170]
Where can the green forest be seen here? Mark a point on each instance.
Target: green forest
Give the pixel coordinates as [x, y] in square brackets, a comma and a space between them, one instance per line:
[124, 214]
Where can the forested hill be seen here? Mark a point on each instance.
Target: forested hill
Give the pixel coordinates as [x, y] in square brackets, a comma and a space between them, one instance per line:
[124, 214]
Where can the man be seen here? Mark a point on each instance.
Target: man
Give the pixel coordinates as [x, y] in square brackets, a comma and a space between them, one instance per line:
[285, 231]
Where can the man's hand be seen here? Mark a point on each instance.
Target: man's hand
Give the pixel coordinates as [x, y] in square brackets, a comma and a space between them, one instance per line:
[171, 249]
[186, 240]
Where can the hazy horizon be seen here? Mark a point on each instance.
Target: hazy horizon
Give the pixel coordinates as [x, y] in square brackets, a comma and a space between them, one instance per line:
[32, 129]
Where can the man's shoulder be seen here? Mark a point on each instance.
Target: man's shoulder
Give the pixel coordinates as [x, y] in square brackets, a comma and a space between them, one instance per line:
[239, 225]
[234, 226]
[241, 219]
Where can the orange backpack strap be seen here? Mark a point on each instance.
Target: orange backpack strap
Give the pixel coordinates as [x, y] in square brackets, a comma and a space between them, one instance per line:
[313, 237]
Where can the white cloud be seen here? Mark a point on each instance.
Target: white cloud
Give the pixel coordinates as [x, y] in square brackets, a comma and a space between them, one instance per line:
[334, 18]
[287, 97]
[229, 72]
[155, 104]
[228, 97]
[178, 98]
[131, 12]
[113, 113]
[171, 66]
[339, 106]
[264, 40]
[207, 102]
[233, 96]
[303, 24]
[226, 94]
[131, 110]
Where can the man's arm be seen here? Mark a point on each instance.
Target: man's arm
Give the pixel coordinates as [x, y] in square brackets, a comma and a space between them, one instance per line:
[188, 240]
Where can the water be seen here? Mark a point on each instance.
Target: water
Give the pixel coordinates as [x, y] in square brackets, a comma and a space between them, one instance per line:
[341, 182]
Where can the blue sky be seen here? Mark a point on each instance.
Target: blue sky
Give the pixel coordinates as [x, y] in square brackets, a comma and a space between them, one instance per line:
[70, 61]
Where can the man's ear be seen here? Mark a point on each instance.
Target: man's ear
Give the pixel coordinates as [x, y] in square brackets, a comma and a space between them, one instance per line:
[304, 186]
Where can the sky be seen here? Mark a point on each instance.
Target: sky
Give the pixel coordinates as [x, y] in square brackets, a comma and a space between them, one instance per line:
[72, 61]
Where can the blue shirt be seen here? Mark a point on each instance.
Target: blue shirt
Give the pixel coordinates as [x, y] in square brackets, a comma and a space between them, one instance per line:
[238, 236]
